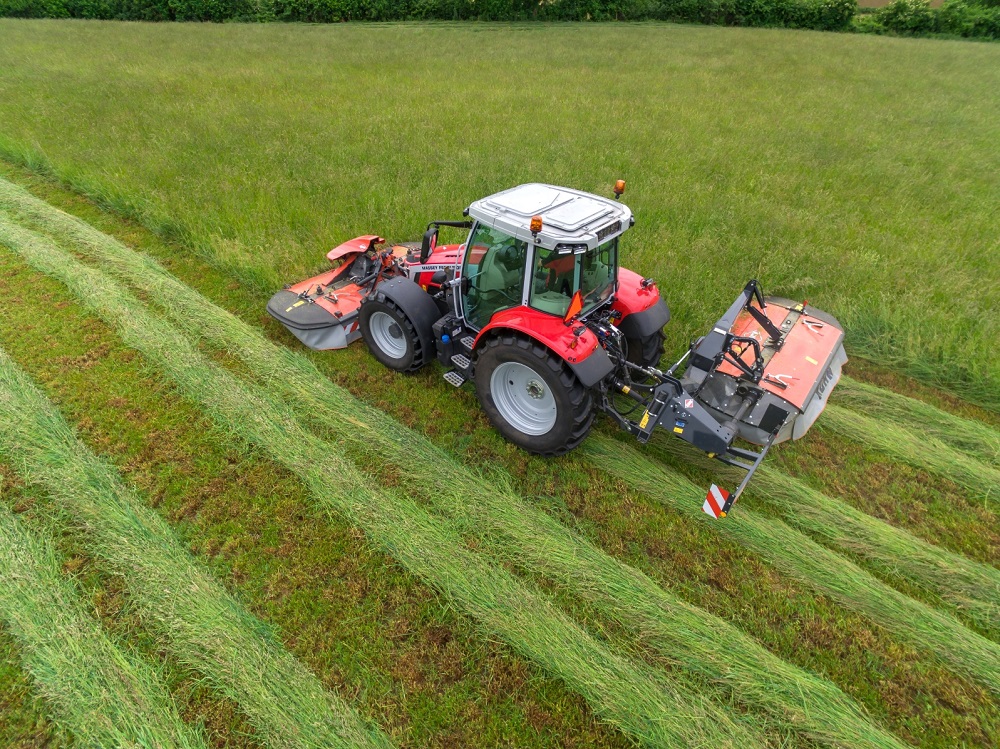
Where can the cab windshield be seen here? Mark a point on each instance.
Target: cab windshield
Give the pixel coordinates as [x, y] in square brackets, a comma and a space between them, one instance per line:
[557, 276]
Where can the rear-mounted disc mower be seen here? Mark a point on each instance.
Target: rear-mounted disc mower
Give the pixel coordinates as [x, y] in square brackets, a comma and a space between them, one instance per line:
[536, 311]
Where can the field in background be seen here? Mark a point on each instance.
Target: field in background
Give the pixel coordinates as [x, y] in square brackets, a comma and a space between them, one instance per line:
[251, 154]
[859, 173]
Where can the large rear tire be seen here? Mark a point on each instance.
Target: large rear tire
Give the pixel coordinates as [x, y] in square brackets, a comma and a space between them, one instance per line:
[646, 351]
[531, 396]
[390, 336]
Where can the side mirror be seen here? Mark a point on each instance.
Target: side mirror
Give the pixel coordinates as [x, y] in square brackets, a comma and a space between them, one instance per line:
[428, 244]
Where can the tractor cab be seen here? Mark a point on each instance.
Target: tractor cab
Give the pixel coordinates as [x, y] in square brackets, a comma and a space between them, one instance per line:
[539, 246]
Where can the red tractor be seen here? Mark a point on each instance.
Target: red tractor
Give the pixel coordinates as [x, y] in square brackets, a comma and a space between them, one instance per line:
[536, 311]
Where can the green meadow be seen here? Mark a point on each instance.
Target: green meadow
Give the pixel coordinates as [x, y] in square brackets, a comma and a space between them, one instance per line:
[859, 173]
[261, 546]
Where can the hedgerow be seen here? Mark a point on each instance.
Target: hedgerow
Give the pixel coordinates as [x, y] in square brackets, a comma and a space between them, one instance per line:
[965, 18]
[831, 15]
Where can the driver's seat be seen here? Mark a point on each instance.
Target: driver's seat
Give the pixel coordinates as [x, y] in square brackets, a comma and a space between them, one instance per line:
[499, 280]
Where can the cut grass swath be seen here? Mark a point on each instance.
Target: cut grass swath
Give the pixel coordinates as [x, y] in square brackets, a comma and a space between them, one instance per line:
[813, 565]
[976, 439]
[922, 451]
[98, 693]
[638, 699]
[968, 587]
[202, 625]
[681, 633]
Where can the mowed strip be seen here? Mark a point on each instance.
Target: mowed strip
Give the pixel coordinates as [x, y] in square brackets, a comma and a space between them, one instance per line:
[502, 520]
[974, 438]
[980, 479]
[641, 701]
[964, 586]
[96, 692]
[964, 651]
[203, 626]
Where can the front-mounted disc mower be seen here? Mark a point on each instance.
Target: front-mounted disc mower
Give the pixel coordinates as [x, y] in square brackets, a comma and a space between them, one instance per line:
[536, 311]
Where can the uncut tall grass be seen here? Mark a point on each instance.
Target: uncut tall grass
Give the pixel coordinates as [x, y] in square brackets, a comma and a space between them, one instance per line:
[968, 587]
[201, 624]
[859, 172]
[920, 450]
[979, 440]
[813, 565]
[644, 703]
[501, 519]
[100, 694]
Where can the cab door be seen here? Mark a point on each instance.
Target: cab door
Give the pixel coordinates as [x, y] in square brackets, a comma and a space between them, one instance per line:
[492, 274]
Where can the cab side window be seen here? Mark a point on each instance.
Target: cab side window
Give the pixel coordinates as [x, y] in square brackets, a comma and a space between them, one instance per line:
[494, 265]
[552, 281]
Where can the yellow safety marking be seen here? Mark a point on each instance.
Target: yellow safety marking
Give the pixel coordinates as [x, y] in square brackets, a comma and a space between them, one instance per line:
[626, 389]
[678, 430]
[811, 360]
[645, 420]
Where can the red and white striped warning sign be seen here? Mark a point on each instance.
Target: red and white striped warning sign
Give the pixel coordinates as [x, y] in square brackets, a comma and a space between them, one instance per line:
[714, 501]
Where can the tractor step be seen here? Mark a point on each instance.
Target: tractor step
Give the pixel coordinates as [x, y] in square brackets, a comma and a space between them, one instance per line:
[461, 361]
[454, 378]
[468, 342]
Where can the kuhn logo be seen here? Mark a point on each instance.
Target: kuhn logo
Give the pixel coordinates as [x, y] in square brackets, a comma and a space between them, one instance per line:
[827, 376]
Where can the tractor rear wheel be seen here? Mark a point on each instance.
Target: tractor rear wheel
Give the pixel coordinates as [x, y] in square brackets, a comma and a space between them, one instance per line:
[531, 396]
[389, 334]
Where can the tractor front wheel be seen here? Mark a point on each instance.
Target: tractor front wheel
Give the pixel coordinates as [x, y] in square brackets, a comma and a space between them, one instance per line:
[646, 351]
[531, 396]
[389, 334]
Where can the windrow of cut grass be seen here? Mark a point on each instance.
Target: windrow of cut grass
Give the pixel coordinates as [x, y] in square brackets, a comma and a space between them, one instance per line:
[202, 625]
[817, 567]
[503, 521]
[97, 692]
[922, 451]
[965, 586]
[647, 704]
[979, 440]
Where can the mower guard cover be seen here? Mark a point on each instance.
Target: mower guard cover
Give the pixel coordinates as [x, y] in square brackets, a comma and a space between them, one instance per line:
[796, 362]
[763, 374]
[322, 311]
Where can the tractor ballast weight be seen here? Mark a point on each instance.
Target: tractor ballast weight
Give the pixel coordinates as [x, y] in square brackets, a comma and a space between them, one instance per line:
[535, 309]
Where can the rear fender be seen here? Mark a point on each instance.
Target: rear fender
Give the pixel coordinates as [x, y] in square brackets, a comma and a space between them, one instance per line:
[582, 353]
[416, 304]
[643, 310]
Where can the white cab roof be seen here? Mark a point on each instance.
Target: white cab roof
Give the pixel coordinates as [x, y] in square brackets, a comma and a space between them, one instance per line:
[569, 217]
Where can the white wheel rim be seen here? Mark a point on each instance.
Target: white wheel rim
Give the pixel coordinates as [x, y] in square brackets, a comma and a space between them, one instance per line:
[387, 334]
[523, 398]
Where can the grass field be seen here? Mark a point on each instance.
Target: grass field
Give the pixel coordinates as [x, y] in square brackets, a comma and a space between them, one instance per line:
[527, 537]
[483, 597]
[101, 694]
[859, 173]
